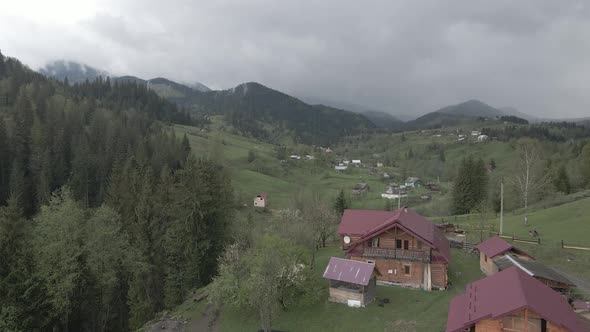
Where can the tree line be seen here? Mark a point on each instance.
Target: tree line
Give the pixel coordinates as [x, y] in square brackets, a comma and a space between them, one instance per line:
[106, 217]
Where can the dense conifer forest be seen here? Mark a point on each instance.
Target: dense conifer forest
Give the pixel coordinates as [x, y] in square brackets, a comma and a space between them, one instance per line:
[105, 218]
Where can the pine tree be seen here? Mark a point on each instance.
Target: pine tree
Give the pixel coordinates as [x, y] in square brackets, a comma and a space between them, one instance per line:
[5, 162]
[585, 164]
[470, 186]
[341, 203]
[441, 155]
[561, 180]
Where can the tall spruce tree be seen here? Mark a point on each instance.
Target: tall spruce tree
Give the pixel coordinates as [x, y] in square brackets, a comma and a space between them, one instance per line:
[470, 186]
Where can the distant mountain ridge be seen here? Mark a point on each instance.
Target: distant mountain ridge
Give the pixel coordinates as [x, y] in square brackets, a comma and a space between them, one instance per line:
[250, 108]
[462, 113]
[74, 71]
[383, 120]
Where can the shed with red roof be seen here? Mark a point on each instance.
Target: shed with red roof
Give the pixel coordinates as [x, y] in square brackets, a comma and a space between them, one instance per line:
[511, 300]
[407, 249]
[351, 282]
[496, 247]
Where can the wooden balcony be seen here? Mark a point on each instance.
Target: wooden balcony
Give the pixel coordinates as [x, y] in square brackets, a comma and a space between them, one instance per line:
[410, 255]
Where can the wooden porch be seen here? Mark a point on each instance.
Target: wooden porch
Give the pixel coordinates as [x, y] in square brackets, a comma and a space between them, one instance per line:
[403, 254]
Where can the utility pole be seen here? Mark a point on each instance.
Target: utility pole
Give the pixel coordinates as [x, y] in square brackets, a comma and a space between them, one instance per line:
[399, 198]
[501, 207]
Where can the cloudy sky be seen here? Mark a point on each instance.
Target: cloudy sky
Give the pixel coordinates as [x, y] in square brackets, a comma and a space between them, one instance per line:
[406, 57]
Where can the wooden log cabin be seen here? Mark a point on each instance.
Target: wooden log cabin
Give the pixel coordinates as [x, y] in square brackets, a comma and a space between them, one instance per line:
[511, 300]
[407, 249]
[496, 255]
[350, 282]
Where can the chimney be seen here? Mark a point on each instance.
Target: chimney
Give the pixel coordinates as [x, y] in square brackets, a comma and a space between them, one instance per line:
[405, 209]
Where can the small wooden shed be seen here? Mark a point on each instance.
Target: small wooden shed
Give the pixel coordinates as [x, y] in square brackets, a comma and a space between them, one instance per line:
[260, 200]
[351, 282]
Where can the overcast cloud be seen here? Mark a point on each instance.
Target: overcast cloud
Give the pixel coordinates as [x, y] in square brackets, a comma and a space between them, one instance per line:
[397, 56]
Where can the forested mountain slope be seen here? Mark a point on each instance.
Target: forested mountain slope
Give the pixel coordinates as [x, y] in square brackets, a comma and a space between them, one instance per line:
[255, 110]
[97, 200]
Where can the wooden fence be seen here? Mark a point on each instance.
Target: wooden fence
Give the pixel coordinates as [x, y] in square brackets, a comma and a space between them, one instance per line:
[462, 245]
[573, 246]
[519, 239]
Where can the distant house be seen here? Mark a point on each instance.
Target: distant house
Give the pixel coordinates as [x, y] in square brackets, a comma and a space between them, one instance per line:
[461, 139]
[379, 164]
[351, 282]
[582, 308]
[309, 157]
[385, 175]
[340, 168]
[261, 200]
[360, 188]
[356, 162]
[413, 182]
[295, 157]
[483, 138]
[346, 162]
[394, 196]
[432, 186]
[511, 300]
[498, 255]
[426, 197]
[475, 133]
[407, 249]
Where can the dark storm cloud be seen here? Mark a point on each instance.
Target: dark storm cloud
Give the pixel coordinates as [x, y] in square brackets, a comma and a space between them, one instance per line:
[400, 56]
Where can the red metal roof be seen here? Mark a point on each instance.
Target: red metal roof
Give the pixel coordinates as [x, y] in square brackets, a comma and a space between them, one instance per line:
[355, 272]
[506, 292]
[581, 305]
[369, 223]
[495, 246]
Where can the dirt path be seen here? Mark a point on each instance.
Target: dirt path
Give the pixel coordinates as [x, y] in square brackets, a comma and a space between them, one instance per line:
[209, 321]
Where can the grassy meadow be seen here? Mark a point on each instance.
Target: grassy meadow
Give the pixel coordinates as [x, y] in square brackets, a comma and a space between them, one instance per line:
[405, 312]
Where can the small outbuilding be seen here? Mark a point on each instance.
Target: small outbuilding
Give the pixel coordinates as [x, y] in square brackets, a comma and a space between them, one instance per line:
[413, 182]
[260, 200]
[351, 282]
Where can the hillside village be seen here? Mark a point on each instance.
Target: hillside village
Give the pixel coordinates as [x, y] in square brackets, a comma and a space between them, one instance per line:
[137, 204]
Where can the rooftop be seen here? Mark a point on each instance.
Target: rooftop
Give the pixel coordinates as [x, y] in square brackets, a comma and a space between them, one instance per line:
[495, 246]
[506, 292]
[369, 223]
[347, 270]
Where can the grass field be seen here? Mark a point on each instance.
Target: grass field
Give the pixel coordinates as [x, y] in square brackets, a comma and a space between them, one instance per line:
[405, 312]
[569, 222]
[283, 180]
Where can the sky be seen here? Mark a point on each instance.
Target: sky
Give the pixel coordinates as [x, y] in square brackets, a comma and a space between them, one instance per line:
[402, 57]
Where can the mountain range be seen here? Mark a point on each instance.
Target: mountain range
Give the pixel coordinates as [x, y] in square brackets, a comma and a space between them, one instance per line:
[256, 110]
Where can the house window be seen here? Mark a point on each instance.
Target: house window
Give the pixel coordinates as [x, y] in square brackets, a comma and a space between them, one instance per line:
[407, 269]
[371, 262]
[376, 242]
[419, 245]
[517, 324]
[398, 244]
[406, 244]
[485, 258]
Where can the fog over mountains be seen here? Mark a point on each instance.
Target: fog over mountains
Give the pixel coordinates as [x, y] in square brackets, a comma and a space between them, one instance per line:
[198, 96]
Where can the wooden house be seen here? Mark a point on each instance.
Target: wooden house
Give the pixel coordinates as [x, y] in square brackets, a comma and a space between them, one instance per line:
[407, 249]
[511, 300]
[493, 248]
[350, 282]
[498, 255]
[413, 182]
[261, 200]
[360, 188]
